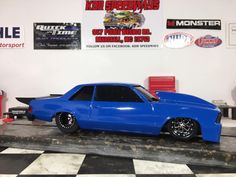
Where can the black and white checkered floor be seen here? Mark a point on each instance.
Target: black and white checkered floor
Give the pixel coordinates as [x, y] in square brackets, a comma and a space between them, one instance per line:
[22, 162]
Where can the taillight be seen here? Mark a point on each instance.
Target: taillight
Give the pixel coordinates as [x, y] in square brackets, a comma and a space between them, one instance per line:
[30, 109]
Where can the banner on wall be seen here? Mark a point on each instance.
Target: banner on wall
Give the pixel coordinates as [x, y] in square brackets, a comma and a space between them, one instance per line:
[178, 40]
[208, 41]
[231, 34]
[122, 24]
[57, 36]
[208, 24]
[11, 36]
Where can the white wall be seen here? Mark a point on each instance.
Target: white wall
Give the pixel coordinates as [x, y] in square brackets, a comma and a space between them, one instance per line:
[208, 73]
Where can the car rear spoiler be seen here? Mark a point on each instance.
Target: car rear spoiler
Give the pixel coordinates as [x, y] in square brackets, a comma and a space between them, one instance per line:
[27, 100]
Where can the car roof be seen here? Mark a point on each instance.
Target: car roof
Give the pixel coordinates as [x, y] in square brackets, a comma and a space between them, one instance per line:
[110, 83]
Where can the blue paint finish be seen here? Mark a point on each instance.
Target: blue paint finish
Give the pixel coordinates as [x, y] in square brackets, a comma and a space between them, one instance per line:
[147, 117]
[122, 116]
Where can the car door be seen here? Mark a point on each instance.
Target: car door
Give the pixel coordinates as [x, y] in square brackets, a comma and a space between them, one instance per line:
[120, 108]
[80, 103]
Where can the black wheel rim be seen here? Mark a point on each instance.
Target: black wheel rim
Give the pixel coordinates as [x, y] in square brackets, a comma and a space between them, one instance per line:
[66, 120]
[182, 127]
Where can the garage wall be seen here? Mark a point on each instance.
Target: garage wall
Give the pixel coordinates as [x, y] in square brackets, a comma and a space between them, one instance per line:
[208, 73]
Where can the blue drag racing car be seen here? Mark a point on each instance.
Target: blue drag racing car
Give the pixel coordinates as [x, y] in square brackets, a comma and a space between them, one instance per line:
[130, 108]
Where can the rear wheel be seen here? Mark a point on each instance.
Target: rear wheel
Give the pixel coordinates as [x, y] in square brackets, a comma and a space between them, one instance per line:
[182, 128]
[66, 122]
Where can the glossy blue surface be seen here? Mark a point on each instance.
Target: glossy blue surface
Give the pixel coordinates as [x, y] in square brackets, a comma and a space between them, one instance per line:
[147, 117]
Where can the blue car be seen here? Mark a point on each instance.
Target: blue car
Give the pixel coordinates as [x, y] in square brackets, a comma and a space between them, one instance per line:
[130, 108]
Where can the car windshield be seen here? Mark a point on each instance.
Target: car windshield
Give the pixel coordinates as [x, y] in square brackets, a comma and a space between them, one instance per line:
[146, 93]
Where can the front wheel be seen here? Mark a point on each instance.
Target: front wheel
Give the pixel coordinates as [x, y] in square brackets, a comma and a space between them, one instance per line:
[182, 128]
[66, 122]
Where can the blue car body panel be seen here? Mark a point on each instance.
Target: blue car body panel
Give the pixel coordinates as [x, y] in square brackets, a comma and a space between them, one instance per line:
[138, 117]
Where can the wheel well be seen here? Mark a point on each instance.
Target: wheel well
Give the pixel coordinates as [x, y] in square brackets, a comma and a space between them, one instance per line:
[164, 129]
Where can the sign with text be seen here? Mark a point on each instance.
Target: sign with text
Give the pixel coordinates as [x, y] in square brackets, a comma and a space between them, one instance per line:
[208, 41]
[231, 34]
[178, 40]
[57, 36]
[208, 24]
[122, 24]
[11, 36]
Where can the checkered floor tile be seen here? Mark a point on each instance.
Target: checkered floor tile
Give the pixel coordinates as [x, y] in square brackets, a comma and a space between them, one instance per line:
[33, 163]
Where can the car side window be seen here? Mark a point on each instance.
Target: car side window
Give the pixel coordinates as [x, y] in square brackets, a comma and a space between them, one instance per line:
[84, 94]
[116, 94]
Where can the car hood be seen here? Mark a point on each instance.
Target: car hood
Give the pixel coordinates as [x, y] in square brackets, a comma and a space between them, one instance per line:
[179, 98]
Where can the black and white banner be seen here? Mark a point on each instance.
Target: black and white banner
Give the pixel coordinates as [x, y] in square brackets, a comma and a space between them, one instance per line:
[57, 36]
[209, 24]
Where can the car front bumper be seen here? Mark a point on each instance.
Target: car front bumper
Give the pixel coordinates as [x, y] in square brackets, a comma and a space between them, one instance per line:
[212, 133]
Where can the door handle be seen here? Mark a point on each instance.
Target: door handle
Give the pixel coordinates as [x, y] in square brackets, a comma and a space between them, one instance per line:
[96, 107]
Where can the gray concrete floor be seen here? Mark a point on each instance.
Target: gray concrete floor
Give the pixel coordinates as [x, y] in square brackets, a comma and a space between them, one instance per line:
[228, 122]
[46, 136]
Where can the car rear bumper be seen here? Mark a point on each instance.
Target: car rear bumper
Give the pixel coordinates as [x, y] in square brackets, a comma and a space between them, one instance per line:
[30, 117]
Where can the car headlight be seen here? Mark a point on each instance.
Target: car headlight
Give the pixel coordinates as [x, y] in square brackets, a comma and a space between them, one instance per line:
[218, 119]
